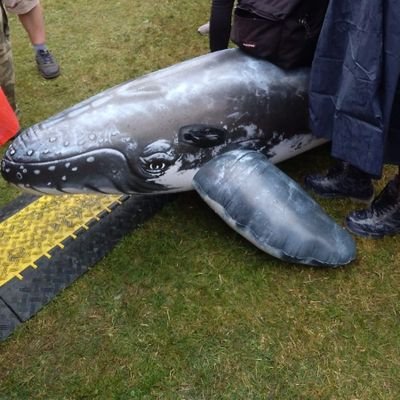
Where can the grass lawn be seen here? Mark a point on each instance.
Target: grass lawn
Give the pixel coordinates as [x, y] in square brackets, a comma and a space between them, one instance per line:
[184, 308]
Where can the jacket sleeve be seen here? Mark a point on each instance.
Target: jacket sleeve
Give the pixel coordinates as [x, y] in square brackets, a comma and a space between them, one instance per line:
[220, 24]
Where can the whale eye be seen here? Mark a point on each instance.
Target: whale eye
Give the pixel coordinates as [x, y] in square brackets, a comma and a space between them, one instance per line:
[157, 164]
[157, 157]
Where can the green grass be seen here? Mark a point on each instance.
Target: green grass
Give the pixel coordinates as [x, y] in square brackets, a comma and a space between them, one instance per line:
[184, 308]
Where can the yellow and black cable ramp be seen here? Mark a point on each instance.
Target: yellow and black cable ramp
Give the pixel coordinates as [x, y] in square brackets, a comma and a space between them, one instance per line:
[47, 242]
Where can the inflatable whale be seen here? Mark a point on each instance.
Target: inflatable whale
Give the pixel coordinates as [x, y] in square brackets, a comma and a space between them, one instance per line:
[155, 133]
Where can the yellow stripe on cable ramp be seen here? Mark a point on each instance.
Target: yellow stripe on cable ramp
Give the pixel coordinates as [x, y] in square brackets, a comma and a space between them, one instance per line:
[42, 225]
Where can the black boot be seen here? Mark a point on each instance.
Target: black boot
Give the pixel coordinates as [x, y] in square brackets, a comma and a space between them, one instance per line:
[342, 180]
[382, 217]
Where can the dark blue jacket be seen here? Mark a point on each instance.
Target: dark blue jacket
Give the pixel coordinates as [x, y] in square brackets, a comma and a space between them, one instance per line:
[353, 82]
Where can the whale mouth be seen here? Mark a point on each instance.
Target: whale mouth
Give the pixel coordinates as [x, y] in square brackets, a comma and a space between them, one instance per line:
[105, 171]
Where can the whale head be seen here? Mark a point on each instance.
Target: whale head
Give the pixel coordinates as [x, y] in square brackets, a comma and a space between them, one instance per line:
[152, 134]
[47, 158]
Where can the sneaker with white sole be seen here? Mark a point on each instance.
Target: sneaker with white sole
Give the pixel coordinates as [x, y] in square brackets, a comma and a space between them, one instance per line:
[47, 64]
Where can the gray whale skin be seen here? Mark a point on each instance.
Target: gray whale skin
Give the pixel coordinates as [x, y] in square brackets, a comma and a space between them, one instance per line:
[271, 210]
[155, 133]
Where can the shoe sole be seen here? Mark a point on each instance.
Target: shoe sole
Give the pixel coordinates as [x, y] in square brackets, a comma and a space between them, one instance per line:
[49, 76]
[46, 76]
[363, 234]
[338, 196]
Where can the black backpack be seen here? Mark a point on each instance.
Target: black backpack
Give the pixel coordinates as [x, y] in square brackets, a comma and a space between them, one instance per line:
[284, 32]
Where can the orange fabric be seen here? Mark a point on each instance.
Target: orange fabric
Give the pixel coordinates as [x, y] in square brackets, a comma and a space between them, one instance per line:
[9, 125]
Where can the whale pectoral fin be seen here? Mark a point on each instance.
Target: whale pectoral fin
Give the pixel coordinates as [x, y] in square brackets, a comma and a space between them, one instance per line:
[201, 135]
[271, 210]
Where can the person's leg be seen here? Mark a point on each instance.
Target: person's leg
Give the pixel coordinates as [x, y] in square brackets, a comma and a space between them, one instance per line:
[7, 78]
[382, 217]
[30, 14]
[342, 180]
[33, 23]
[220, 24]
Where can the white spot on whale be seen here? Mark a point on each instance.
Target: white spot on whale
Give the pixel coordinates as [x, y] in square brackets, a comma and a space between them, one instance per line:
[90, 159]
[36, 172]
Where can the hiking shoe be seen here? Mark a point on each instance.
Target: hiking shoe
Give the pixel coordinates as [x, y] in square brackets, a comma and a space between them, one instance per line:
[204, 29]
[381, 218]
[47, 65]
[342, 180]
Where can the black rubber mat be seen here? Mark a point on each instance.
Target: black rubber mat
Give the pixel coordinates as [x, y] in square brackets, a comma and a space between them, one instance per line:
[20, 299]
[16, 205]
[8, 320]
